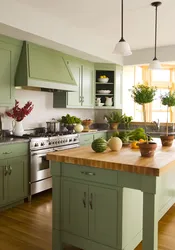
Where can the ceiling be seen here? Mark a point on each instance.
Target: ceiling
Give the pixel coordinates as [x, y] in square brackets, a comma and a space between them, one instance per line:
[102, 18]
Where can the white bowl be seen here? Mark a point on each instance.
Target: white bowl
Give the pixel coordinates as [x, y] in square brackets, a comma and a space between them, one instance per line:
[104, 91]
[103, 80]
[100, 104]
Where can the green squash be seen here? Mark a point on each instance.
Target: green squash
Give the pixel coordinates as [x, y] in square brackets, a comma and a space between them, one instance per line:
[99, 145]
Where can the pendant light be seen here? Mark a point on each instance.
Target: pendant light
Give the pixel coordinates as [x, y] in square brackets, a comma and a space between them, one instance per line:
[122, 47]
[155, 64]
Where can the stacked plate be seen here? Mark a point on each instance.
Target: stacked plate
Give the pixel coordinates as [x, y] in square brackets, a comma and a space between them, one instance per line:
[103, 91]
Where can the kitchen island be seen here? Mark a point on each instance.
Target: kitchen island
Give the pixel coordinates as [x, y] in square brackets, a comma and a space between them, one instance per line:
[110, 200]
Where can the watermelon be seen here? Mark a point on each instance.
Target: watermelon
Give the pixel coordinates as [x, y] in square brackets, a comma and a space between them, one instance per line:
[99, 145]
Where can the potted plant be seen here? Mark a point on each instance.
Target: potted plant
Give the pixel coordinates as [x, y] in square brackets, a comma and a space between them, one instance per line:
[126, 120]
[168, 100]
[114, 119]
[143, 94]
[70, 121]
[148, 147]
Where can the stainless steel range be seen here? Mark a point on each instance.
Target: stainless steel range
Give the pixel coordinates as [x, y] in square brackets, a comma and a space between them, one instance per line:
[40, 176]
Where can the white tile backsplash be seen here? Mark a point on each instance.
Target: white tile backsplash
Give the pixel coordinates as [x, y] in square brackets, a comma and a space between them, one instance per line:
[43, 109]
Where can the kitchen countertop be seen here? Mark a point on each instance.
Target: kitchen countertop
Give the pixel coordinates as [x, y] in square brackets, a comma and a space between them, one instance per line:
[127, 160]
[9, 140]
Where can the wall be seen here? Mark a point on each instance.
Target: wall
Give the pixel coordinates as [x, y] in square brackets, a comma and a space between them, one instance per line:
[145, 56]
[43, 109]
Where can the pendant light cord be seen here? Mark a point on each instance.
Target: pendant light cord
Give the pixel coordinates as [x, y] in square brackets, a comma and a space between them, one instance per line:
[122, 39]
[155, 48]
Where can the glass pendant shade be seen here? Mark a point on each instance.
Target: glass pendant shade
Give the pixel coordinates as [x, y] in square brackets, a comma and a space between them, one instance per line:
[122, 48]
[155, 65]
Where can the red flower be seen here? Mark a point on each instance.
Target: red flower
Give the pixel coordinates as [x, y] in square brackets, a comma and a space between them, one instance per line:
[18, 113]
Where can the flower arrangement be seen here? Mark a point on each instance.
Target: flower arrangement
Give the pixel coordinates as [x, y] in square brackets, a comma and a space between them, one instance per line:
[18, 113]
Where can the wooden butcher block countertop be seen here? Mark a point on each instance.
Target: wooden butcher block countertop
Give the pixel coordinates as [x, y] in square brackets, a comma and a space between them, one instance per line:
[128, 160]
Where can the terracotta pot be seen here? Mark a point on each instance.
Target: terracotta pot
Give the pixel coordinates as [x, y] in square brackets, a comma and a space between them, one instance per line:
[167, 140]
[114, 125]
[147, 149]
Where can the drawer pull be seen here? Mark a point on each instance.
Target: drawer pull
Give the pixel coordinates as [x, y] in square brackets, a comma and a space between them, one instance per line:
[9, 170]
[6, 171]
[6, 153]
[88, 173]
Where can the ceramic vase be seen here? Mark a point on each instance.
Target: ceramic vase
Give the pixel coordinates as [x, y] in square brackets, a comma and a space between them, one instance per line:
[18, 129]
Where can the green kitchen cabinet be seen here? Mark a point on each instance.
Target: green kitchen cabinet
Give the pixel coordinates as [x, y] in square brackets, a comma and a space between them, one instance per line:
[74, 98]
[75, 207]
[83, 73]
[3, 183]
[100, 134]
[14, 180]
[86, 139]
[9, 53]
[17, 178]
[114, 85]
[109, 135]
[103, 215]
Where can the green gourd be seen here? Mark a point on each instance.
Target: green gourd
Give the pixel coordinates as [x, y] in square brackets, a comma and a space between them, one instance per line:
[99, 145]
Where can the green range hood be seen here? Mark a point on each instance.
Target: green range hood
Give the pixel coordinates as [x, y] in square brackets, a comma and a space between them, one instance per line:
[44, 69]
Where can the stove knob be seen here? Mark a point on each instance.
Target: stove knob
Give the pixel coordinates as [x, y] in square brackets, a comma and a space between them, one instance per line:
[50, 143]
[75, 139]
[63, 141]
[42, 144]
[36, 144]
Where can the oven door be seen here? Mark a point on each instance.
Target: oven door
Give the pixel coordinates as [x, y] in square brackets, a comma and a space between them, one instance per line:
[40, 166]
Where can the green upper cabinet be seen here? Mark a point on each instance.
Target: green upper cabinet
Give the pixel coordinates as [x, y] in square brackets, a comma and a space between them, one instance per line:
[9, 54]
[44, 68]
[74, 98]
[75, 208]
[83, 73]
[103, 215]
[113, 86]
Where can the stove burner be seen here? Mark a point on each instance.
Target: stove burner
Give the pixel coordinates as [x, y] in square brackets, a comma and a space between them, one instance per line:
[47, 134]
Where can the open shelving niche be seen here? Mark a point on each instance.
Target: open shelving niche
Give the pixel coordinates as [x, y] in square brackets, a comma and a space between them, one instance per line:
[105, 86]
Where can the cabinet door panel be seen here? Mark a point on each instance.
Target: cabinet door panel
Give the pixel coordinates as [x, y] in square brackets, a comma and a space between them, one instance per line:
[87, 86]
[100, 134]
[3, 183]
[103, 215]
[49, 65]
[5, 76]
[17, 178]
[73, 98]
[75, 208]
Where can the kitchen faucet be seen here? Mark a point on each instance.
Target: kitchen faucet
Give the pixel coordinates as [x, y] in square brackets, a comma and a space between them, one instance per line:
[157, 124]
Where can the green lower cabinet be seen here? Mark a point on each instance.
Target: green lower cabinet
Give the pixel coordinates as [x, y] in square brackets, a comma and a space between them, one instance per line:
[75, 208]
[100, 134]
[86, 139]
[3, 183]
[17, 178]
[103, 215]
[13, 180]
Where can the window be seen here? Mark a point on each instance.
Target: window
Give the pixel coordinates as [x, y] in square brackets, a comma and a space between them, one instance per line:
[162, 79]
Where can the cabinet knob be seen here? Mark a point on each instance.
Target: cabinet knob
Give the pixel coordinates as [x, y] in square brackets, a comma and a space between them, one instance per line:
[88, 173]
[6, 153]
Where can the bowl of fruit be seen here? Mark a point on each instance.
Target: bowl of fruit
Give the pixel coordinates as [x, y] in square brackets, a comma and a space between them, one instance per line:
[103, 79]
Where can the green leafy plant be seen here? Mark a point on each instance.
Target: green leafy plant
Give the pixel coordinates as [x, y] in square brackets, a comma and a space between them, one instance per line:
[143, 94]
[68, 119]
[133, 135]
[123, 135]
[114, 117]
[126, 120]
[168, 100]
